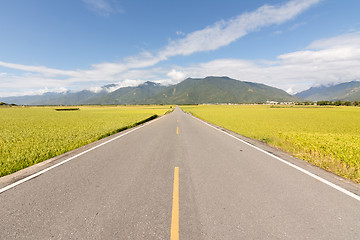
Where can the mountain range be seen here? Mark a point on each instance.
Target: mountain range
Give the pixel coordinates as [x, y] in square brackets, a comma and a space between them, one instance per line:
[349, 91]
[189, 91]
[219, 90]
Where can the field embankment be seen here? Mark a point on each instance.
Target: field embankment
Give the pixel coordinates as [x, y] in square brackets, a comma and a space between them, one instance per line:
[30, 135]
[328, 137]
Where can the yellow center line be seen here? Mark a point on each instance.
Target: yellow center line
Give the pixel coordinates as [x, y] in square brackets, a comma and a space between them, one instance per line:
[177, 130]
[175, 207]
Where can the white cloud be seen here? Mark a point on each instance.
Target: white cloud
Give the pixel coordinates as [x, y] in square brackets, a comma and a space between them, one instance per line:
[34, 92]
[116, 86]
[96, 89]
[45, 90]
[346, 40]
[38, 69]
[176, 76]
[223, 32]
[290, 91]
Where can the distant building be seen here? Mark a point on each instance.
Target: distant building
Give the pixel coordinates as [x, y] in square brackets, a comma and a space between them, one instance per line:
[272, 102]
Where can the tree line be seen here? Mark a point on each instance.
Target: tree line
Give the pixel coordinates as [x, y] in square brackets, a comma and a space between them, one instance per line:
[331, 103]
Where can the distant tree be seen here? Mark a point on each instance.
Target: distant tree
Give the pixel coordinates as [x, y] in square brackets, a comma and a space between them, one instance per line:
[338, 103]
[324, 103]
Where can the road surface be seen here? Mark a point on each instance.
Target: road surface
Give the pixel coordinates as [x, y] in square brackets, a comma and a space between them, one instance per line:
[126, 189]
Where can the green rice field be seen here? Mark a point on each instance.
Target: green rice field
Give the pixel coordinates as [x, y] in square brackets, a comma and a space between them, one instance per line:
[328, 137]
[29, 135]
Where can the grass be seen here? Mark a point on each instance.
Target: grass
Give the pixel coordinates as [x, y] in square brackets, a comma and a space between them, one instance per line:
[31, 135]
[328, 137]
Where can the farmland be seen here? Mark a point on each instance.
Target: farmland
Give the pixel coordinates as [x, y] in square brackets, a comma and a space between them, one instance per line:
[30, 135]
[328, 137]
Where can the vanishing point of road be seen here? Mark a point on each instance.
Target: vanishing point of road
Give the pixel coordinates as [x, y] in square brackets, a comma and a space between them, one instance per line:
[178, 177]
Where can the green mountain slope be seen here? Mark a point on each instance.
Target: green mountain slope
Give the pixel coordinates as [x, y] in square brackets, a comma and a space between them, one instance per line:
[76, 98]
[129, 95]
[219, 90]
[67, 98]
[349, 91]
[126, 95]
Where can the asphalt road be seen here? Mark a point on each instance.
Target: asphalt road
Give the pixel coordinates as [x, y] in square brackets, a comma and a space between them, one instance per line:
[227, 190]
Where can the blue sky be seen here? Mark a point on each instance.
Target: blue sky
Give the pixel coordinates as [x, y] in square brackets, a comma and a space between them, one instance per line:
[64, 45]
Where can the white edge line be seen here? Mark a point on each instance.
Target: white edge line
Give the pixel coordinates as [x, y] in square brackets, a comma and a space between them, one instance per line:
[71, 158]
[288, 163]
